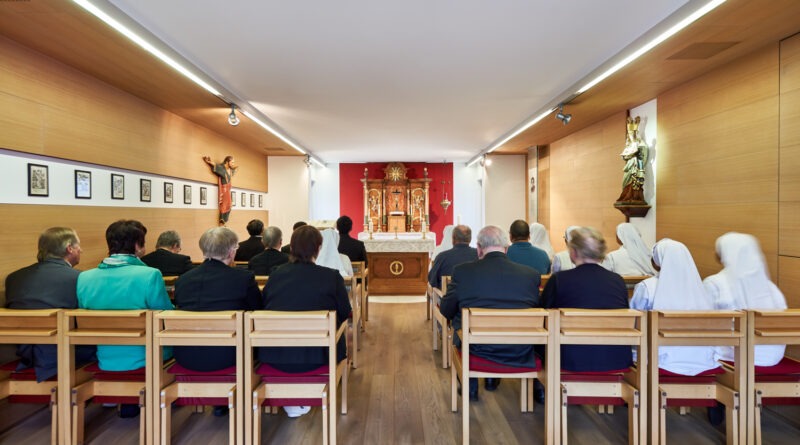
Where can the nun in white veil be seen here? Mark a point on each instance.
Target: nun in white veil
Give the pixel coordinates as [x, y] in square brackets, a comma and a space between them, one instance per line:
[446, 242]
[329, 255]
[561, 260]
[678, 287]
[541, 239]
[744, 284]
[633, 257]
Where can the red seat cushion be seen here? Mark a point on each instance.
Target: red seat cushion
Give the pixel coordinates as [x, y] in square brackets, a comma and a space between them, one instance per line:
[134, 375]
[704, 378]
[185, 375]
[270, 374]
[612, 376]
[28, 375]
[479, 364]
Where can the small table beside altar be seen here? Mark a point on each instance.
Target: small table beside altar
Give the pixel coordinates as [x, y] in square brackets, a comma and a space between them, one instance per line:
[398, 263]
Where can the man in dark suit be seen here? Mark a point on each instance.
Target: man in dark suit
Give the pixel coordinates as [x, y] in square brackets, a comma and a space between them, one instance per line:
[49, 283]
[493, 281]
[166, 257]
[215, 286]
[253, 245]
[287, 249]
[461, 252]
[589, 286]
[353, 248]
[269, 259]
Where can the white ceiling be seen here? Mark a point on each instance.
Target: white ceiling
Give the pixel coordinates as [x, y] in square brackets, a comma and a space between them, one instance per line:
[410, 80]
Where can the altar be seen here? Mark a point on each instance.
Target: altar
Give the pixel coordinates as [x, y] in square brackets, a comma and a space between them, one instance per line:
[398, 266]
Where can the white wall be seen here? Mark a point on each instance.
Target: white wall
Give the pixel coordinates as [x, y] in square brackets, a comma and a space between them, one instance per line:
[324, 192]
[468, 197]
[61, 181]
[505, 184]
[648, 130]
[288, 197]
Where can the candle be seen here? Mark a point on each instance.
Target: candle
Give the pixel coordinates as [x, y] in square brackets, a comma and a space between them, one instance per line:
[458, 220]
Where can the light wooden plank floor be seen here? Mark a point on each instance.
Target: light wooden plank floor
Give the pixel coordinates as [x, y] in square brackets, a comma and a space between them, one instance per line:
[400, 395]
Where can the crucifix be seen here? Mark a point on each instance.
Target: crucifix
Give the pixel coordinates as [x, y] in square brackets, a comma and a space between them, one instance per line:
[396, 194]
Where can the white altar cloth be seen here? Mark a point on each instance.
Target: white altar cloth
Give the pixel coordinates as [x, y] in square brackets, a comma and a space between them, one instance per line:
[399, 245]
[400, 236]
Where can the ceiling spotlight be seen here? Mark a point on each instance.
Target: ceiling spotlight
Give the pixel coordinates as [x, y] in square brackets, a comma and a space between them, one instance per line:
[233, 119]
[565, 118]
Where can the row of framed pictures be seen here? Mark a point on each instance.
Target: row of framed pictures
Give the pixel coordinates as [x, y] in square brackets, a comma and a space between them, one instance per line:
[38, 185]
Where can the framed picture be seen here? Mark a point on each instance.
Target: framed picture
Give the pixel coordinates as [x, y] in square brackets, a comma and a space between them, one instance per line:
[233, 198]
[187, 194]
[38, 180]
[244, 199]
[260, 201]
[252, 200]
[145, 190]
[168, 192]
[203, 196]
[117, 186]
[83, 184]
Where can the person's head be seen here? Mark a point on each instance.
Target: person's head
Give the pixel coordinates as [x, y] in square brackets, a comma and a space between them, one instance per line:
[568, 233]
[219, 243]
[169, 240]
[61, 243]
[491, 239]
[126, 236]
[273, 237]
[229, 162]
[298, 224]
[255, 227]
[305, 244]
[519, 231]
[344, 224]
[462, 234]
[586, 245]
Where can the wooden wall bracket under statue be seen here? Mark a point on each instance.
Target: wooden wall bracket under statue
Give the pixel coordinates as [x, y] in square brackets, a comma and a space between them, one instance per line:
[632, 209]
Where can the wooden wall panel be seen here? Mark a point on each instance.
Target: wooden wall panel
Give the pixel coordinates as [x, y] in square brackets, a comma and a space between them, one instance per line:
[789, 226]
[543, 186]
[51, 109]
[717, 165]
[789, 279]
[22, 225]
[585, 177]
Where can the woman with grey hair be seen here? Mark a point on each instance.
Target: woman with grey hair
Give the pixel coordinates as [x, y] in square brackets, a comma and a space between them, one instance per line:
[589, 286]
[561, 260]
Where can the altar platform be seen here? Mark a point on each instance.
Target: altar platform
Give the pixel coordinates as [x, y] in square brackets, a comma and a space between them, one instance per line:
[398, 263]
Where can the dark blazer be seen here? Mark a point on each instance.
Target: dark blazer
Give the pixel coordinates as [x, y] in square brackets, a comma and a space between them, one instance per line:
[589, 286]
[47, 284]
[523, 252]
[249, 248]
[214, 286]
[493, 282]
[304, 287]
[444, 263]
[170, 264]
[353, 248]
[265, 262]
[287, 249]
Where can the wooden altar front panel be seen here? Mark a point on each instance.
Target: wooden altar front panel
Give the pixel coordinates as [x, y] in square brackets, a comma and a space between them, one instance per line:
[398, 273]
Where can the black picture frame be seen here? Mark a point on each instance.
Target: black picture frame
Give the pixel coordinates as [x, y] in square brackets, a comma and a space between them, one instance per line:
[187, 194]
[117, 186]
[83, 184]
[203, 196]
[233, 198]
[168, 192]
[38, 180]
[253, 200]
[244, 199]
[260, 201]
[145, 190]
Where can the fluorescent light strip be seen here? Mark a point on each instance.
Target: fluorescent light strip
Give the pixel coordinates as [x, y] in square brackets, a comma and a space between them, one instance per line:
[653, 43]
[269, 128]
[85, 4]
[527, 125]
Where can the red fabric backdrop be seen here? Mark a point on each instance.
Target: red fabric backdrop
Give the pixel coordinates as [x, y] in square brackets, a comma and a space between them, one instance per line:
[351, 191]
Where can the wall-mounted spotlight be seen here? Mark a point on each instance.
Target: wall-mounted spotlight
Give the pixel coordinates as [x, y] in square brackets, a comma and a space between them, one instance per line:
[565, 118]
[233, 119]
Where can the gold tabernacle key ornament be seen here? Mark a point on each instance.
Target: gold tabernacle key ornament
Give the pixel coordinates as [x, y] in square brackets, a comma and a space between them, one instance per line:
[396, 267]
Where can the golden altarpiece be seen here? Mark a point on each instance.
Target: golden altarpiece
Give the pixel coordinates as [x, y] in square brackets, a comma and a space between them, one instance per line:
[396, 203]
